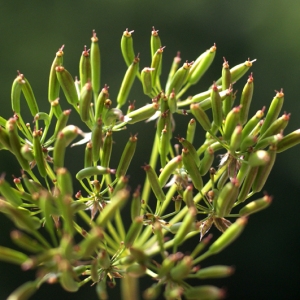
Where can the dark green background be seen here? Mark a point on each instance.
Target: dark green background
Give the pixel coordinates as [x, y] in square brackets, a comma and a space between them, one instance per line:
[266, 256]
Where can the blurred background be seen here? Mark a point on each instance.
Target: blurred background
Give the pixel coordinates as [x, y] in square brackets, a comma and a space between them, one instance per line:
[266, 256]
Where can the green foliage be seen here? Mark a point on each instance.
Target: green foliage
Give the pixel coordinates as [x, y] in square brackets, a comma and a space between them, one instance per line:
[197, 189]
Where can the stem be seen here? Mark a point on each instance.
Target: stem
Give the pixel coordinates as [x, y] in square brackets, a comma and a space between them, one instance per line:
[129, 288]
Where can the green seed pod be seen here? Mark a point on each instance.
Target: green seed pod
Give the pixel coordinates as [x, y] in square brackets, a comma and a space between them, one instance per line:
[182, 269]
[38, 153]
[121, 184]
[101, 290]
[59, 151]
[16, 90]
[248, 142]
[192, 168]
[93, 171]
[264, 171]
[136, 270]
[103, 96]
[96, 140]
[134, 231]
[249, 179]
[64, 182]
[67, 84]
[169, 169]
[287, 142]
[232, 119]
[174, 68]
[107, 149]
[190, 133]
[94, 270]
[8, 193]
[252, 123]
[179, 78]
[201, 116]
[12, 256]
[186, 144]
[127, 47]
[155, 42]
[135, 208]
[88, 155]
[188, 197]
[174, 228]
[104, 259]
[201, 65]
[168, 264]
[236, 138]
[53, 87]
[164, 146]
[217, 271]
[152, 292]
[222, 180]
[228, 101]
[4, 138]
[226, 75]
[146, 79]
[271, 140]
[156, 65]
[246, 99]
[67, 280]
[277, 126]
[25, 242]
[88, 246]
[186, 226]
[24, 291]
[139, 255]
[238, 71]
[207, 160]
[117, 202]
[127, 156]
[232, 232]
[46, 204]
[85, 72]
[143, 113]
[172, 102]
[255, 206]
[128, 82]
[27, 152]
[85, 102]
[244, 169]
[273, 111]
[207, 292]
[15, 143]
[226, 198]
[199, 97]
[216, 105]
[95, 63]
[154, 183]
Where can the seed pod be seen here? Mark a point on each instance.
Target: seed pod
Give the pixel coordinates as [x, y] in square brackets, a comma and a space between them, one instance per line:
[182, 269]
[4, 138]
[67, 84]
[172, 102]
[174, 67]
[25, 242]
[201, 65]
[201, 116]
[88, 246]
[12, 256]
[255, 206]
[190, 134]
[38, 153]
[127, 156]
[271, 140]
[236, 138]
[85, 72]
[222, 180]
[200, 97]
[101, 290]
[168, 264]
[277, 126]
[155, 42]
[16, 93]
[154, 183]
[244, 169]
[95, 63]
[216, 271]
[156, 65]
[228, 101]
[252, 123]
[249, 179]
[287, 142]
[193, 170]
[127, 47]
[169, 169]
[146, 79]
[152, 292]
[208, 292]
[185, 227]
[264, 171]
[164, 146]
[107, 149]
[27, 152]
[59, 151]
[53, 87]
[246, 99]
[117, 202]
[186, 144]
[207, 161]
[9, 193]
[128, 82]
[216, 105]
[135, 209]
[134, 231]
[179, 78]
[85, 102]
[96, 140]
[103, 96]
[273, 111]
[93, 171]
[143, 113]
[67, 277]
[24, 291]
[232, 232]
[238, 71]
[231, 122]
[136, 270]
[226, 198]
[188, 197]
[248, 142]
[64, 182]
[104, 259]
[226, 75]
[88, 156]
